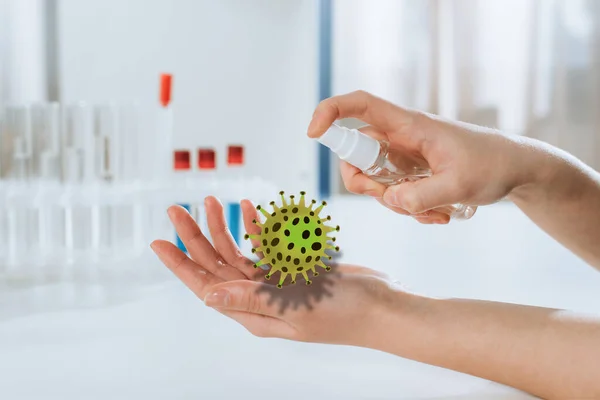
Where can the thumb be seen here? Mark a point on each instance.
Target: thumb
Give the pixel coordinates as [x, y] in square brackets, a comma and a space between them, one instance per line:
[247, 296]
[423, 195]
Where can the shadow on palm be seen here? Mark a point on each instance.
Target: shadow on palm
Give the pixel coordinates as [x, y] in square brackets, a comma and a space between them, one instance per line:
[300, 295]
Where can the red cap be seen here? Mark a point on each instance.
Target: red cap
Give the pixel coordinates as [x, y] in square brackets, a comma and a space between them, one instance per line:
[235, 155]
[165, 89]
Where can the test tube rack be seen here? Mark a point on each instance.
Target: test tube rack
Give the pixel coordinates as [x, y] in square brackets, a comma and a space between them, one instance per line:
[83, 192]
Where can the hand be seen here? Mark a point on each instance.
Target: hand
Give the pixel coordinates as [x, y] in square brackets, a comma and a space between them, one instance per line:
[470, 164]
[343, 306]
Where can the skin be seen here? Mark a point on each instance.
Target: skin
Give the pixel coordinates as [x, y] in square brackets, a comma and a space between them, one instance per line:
[547, 352]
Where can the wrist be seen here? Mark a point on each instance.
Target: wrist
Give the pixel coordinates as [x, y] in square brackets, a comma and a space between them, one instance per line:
[538, 167]
[401, 323]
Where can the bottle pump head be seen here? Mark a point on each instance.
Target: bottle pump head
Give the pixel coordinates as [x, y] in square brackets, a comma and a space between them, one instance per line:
[352, 146]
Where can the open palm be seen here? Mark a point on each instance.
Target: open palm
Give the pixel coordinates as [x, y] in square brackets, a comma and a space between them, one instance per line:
[337, 308]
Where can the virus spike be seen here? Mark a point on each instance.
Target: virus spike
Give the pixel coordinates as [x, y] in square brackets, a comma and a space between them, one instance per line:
[318, 209]
[263, 211]
[274, 205]
[292, 197]
[257, 223]
[312, 203]
[302, 202]
[253, 237]
[331, 247]
[282, 279]
[259, 249]
[305, 275]
[283, 202]
[260, 262]
[329, 229]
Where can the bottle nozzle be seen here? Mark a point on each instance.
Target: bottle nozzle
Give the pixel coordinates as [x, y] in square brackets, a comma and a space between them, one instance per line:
[352, 146]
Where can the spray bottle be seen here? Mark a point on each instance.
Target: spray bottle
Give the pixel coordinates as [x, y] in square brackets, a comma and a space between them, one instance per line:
[374, 159]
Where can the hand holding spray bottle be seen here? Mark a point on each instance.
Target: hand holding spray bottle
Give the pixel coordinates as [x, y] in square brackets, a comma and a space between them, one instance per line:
[374, 158]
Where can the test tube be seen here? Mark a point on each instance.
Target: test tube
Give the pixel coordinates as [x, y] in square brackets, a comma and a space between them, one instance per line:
[21, 232]
[131, 153]
[46, 141]
[46, 129]
[77, 144]
[17, 143]
[77, 168]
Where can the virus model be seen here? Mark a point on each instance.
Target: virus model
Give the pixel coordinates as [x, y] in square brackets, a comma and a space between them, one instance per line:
[293, 239]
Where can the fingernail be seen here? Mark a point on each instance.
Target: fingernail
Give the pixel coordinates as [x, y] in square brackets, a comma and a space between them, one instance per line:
[153, 247]
[390, 198]
[170, 212]
[220, 298]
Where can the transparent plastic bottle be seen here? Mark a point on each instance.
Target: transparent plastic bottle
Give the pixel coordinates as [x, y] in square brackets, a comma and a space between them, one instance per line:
[373, 158]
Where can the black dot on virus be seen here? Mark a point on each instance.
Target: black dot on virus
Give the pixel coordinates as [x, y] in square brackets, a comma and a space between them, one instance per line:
[303, 250]
[295, 221]
[266, 230]
[265, 242]
[306, 220]
[274, 214]
[295, 210]
[258, 207]
[273, 261]
[284, 210]
[268, 250]
[285, 218]
[279, 256]
[316, 246]
[276, 227]
[299, 269]
[253, 250]
[275, 242]
[288, 258]
[303, 193]
[306, 234]
[296, 261]
[319, 222]
[284, 269]
[318, 231]
[317, 258]
[246, 236]
[290, 246]
[308, 259]
[312, 213]
[287, 232]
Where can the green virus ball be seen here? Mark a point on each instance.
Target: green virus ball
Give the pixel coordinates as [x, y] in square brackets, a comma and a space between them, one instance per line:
[293, 239]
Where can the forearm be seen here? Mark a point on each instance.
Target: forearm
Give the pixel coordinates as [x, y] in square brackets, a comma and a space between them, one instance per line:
[545, 352]
[562, 198]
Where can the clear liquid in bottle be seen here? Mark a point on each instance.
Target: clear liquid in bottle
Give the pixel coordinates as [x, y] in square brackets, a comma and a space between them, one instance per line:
[394, 168]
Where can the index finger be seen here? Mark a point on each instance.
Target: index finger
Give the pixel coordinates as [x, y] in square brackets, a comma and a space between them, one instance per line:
[362, 105]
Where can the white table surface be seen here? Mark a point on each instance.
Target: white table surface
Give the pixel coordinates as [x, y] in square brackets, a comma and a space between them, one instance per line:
[165, 344]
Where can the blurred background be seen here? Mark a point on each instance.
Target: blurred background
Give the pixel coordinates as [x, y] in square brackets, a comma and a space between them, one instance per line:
[248, 74]
[254, 71]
